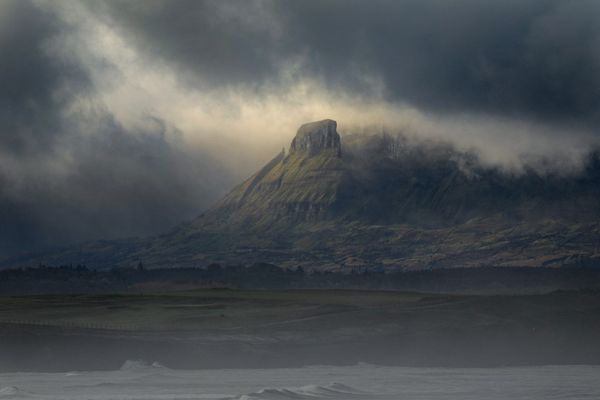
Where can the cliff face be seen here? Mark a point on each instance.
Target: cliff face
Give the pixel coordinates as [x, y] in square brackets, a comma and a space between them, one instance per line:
[317, 137]
[301, 186]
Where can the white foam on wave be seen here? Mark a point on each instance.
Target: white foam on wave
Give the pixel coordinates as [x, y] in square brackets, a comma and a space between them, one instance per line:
[133, 365]
[308, 392]
[12, 392]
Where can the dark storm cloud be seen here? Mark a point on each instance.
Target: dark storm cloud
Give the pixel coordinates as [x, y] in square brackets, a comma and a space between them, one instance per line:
[119, 184]
[535, 59]
[228, 42]
[71, 176]
[34, 86]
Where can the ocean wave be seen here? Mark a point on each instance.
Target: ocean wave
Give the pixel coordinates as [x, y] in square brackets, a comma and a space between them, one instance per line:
[133, 365]
[331, 391]
[12, 392]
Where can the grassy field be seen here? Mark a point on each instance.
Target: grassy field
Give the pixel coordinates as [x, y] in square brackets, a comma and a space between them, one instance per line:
[211, 309]
[226, 328]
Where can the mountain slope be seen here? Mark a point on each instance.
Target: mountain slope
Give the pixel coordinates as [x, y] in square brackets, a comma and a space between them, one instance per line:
[378, 202]
[300, 186]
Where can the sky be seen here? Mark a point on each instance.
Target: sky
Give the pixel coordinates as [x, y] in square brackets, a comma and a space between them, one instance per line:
[125, 118]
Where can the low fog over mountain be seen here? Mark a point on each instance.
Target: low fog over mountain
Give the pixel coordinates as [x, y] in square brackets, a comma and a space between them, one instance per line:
[121, 119]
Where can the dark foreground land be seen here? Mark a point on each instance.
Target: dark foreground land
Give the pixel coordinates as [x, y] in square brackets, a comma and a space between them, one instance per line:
[222, 328]
[484, 280]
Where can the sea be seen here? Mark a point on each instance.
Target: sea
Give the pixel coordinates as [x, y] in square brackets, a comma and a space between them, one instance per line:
[152, 381]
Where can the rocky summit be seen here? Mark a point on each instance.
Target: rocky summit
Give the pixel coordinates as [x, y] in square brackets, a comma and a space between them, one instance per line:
[300, 186]
[316, 137]
[376, 202]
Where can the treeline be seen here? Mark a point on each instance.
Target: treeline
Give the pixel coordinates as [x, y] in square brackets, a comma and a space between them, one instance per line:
[81, 279]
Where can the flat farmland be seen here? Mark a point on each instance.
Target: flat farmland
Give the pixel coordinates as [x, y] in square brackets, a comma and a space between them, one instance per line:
[222, 328]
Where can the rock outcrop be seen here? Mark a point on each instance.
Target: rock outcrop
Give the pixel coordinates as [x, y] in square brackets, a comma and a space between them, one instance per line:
[317, 137]
[301, 186]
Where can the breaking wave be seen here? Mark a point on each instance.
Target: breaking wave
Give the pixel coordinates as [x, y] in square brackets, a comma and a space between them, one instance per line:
[331, 391]
[12, 392]
[133, 365]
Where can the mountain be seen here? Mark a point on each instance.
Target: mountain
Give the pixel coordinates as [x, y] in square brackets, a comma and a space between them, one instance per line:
[302, 186]
[377, 201]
